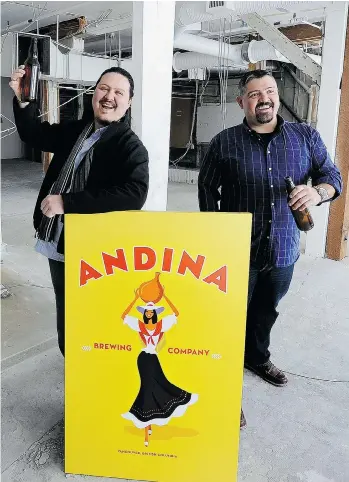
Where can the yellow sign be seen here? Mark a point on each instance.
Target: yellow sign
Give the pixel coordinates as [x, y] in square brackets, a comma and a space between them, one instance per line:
[155, 327]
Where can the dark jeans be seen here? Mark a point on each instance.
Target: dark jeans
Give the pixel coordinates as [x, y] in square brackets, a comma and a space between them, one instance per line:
[266, 288]
[57, 276]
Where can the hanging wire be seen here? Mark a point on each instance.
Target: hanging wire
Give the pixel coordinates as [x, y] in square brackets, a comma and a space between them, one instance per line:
[190, 142]
[220, 46]
[11, 130]
[67, 102]
[204, 87]
[120, 52]
[5, 35]
[14, 129]
[224, 67]
[9, 120]
[316, 378]
[7, 135]
[110, 40]
[36, 16]
[223, 70]
[225, 74]
[57, 40]
[6, 130]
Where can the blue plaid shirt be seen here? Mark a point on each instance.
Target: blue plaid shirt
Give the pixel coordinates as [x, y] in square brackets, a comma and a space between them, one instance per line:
[242, 173]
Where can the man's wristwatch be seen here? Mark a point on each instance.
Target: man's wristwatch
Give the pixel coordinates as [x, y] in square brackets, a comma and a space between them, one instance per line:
[322, 192]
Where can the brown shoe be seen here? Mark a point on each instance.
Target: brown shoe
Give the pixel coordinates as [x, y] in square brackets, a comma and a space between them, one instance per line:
[269, 372]
[242, 420]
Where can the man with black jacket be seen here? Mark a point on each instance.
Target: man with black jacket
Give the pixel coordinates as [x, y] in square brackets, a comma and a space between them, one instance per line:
[99, 165]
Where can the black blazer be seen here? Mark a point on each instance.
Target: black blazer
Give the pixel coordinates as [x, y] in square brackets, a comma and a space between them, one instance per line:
[119, 174]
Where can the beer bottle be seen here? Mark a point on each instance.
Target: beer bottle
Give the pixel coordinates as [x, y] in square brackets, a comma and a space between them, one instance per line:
[30, 81]
[303, 218]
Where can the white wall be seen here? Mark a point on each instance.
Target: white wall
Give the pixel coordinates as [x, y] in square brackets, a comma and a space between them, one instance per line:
[11, 147]
[209, 120]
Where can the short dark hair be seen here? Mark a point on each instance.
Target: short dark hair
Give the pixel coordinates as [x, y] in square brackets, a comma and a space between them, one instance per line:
[250, 75]
[119, 70]
[88, 111]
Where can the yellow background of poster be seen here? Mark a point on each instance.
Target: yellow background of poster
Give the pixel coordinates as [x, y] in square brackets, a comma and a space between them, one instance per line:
[102, 384]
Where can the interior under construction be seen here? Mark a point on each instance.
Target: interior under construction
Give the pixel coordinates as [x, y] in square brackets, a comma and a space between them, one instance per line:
[186, 59]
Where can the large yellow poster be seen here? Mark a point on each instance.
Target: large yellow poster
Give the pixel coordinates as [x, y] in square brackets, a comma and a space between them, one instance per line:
[155, 326]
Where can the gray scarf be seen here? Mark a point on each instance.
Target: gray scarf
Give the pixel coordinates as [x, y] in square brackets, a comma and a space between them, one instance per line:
[68, 181]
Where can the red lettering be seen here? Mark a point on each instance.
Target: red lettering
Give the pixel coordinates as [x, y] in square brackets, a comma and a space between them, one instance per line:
[96, 345]
[122, 347]
[176, 350]
[129, 348]
[139, 254]
[195, 267]
[106, 346]
[87, 272]
[170, 350]
[218, 278]
[189, 351]
[112, 347]
[118, 261]
[101, 345]
[167, 261]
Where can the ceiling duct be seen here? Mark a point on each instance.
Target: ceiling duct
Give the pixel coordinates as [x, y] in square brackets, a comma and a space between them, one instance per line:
[216, 52]
[188, 13]
[193, 60]
[238, 54]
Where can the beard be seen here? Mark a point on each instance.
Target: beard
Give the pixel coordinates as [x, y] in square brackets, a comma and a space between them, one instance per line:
[264, 117]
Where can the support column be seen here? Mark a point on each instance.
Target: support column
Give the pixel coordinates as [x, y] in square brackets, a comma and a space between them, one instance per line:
[338, 226]
[328, 110]
[152, 51]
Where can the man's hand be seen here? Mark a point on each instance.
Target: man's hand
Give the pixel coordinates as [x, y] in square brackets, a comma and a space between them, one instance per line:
[16, 79]
[52, 205]
[303, 197]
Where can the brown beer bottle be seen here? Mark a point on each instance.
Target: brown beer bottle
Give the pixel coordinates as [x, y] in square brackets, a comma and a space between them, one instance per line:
[303, 219]
[30, 81]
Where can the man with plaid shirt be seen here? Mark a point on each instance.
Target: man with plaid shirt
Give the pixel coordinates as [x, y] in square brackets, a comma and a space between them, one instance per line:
[244, 170]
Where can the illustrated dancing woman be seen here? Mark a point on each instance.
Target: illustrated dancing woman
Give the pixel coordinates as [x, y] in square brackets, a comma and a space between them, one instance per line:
[158, 400]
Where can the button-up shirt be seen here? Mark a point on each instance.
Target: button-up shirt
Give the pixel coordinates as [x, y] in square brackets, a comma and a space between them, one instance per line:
[242, 173]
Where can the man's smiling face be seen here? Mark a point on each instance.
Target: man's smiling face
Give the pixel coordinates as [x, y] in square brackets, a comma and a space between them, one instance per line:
[260, 101]
[111, 98]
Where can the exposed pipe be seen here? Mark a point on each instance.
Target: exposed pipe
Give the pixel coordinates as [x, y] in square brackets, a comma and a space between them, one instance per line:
[188, 13]
[259, 50]
[202, 45]
[194, 60]
[239, 54]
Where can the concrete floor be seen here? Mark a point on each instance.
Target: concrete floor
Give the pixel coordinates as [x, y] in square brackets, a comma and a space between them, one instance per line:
[299, 433]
